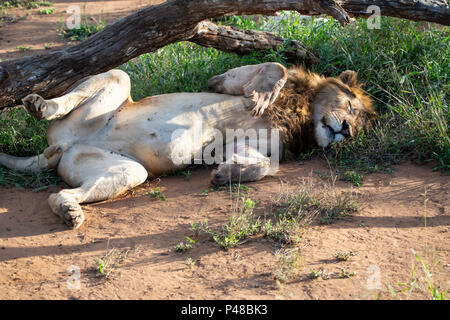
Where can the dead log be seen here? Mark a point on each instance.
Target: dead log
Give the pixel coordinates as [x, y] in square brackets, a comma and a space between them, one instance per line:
[437, 11]
[230, 39]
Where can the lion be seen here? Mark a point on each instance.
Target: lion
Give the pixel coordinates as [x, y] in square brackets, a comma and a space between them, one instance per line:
[102, 143]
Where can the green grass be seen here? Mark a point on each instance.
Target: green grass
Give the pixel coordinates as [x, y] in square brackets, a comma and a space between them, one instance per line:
[284, 219]
[156, 194]
[288, 215]
[46, 11]
[405, 66]
[184, 246]
[23, 48]
[29, 4]
[242, 224]
[85, 30]
[417, 282]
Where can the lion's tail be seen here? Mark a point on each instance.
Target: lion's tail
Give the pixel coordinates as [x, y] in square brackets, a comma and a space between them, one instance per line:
[47, 160]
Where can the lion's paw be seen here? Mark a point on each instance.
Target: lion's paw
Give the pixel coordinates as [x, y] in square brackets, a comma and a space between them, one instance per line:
[36, 105]
[256, 103]
[69, 211]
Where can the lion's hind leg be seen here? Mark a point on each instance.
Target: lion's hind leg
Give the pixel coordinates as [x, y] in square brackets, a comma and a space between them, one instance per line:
[97, 175]
[105, 91]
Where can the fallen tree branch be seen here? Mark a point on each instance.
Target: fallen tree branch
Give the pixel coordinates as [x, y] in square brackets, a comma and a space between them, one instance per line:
[229, 39]
[437, 11]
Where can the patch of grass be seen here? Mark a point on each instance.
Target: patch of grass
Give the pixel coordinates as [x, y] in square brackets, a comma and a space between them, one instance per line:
[184, 246]
[109, 262]
[240, 226]
[288, 265]
[424, 284]
[46, 11]
[336, 206]
[352, 176]
[314, 274]
[289, 214]
[85, 30]
[36, 181]
[235, 189]
[190, 262]
[343, 256]
[346, 273]
[21, 134]
[23, 48]
[180, 67]
[156, 194]
[29, 4]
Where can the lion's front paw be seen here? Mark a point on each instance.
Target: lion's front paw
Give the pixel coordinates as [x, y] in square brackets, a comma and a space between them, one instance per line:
[69, 211]
[36, 105]
[256, 103]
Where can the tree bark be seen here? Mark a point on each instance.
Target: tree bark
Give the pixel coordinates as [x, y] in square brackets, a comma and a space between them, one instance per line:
[151, 28]
[229, 39]
[437, 11]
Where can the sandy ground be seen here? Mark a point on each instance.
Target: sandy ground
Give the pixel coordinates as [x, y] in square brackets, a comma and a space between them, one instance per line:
[36, 249]
[399, 212]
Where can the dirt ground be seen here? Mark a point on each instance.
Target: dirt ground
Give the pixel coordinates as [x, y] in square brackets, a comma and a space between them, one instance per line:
[400, 212]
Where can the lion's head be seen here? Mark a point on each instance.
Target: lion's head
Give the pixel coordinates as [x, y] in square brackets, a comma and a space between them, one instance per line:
[315, 109]
[340, 109]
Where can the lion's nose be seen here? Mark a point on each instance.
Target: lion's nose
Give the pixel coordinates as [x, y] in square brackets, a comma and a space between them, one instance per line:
[345, 129]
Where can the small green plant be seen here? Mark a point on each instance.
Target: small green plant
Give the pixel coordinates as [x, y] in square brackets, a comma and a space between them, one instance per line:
[184, 246]
[48, 45]
[314, 274]
[241, 224]
[343, 256]
[200, 227]
[355, 178]
[108, 263]
[190, 262]
[23, 48]
[85, 30]
[29, 4]
[186, 174]
[236, 189]
[415, 283]
[346, 273]
[288, 265]
[336, 206]
[47, 11]
[156, 194]
[239, 227]
[289, 214]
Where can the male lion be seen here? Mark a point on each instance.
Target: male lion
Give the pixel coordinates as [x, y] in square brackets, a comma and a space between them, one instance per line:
[103, 144]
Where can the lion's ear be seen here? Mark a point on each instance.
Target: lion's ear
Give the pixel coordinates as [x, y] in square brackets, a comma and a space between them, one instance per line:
[349, 77]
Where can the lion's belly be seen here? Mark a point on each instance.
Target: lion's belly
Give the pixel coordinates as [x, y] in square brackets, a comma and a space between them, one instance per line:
[165, 132]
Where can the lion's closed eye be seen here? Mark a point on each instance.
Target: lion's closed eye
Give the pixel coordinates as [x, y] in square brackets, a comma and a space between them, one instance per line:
[350, 108]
